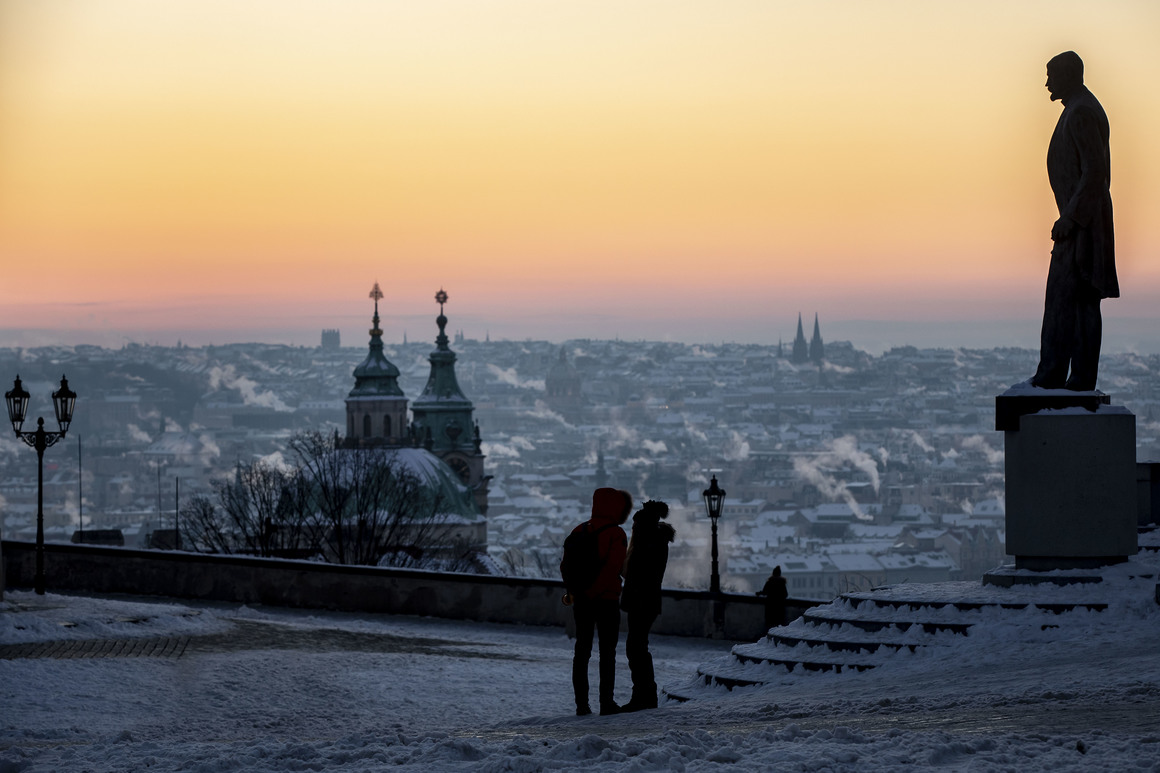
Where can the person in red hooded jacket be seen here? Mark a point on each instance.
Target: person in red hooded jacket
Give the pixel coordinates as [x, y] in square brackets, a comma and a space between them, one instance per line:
[597, 609]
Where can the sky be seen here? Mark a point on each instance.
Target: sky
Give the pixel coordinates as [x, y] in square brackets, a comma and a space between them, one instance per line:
[245, 170]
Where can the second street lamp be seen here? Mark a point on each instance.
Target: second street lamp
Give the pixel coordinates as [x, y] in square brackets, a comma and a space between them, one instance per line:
[714, 499]
[63, 402]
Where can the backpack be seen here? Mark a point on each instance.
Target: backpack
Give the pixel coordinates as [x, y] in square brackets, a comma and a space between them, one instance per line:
[581, 563]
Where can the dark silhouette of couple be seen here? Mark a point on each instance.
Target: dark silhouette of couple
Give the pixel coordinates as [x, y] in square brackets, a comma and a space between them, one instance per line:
[605, 573]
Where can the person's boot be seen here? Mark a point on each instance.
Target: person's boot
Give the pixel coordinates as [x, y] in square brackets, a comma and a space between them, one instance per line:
[640, 703]
[583, 711]
[609, 708]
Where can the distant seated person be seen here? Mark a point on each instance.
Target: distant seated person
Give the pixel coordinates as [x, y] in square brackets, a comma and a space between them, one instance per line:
[775, 594]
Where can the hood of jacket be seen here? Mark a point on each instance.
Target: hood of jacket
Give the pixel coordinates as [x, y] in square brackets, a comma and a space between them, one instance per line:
[608, 505]
[646, 520]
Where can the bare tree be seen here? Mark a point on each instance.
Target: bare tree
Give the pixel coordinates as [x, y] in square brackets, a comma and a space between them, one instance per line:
[261, 510]
[349, 505]
[268, 510]
[326, 475]
[532, 562]
[205, 525]
[372, 508]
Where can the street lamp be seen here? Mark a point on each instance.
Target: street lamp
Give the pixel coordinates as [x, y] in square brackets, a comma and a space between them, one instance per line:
[63, 402]
[714, 499]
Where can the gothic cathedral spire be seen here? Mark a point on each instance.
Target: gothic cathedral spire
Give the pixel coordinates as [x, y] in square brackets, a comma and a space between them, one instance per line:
[817, 349]
[801, 350]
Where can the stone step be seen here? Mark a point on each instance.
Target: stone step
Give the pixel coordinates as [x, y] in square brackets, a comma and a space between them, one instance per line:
[748, 670]
[755, 665]
[769, 651]
[825, 616]
[859, 631]
[832, 643]
[863, 599]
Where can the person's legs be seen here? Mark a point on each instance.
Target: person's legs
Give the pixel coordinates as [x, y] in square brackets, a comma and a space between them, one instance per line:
[640, 662]
[1057, 342]
[779, 614]
[1085, 361]
[585, 614]
[608, 630]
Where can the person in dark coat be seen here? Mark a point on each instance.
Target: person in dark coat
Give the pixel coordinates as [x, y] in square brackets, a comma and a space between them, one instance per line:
[1083, 257]
[644, 569]
[775, 594]
[597, 609]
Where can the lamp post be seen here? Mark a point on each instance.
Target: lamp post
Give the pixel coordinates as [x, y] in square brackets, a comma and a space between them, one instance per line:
[63, 402]
[714, 499]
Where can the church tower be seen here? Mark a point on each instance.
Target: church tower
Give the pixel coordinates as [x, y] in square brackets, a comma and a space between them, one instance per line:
[801, 350]
[376, 409]
[562, 388]
[817, 349]
[443, 417]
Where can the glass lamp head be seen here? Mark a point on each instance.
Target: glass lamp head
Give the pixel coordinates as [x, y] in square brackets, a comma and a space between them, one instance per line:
[64, 400]
[17, 401]
[714, 499]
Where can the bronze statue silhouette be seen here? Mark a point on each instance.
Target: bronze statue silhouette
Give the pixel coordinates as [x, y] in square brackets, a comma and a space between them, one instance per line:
[1083, 262]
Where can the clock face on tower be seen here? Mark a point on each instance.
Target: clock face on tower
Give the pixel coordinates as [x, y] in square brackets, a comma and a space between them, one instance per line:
[460, 468]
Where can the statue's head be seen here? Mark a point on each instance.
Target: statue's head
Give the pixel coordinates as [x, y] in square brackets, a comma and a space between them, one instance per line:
[1064, 75]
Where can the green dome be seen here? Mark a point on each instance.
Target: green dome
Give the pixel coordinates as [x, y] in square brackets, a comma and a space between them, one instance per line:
[443, 493]
[439, 480]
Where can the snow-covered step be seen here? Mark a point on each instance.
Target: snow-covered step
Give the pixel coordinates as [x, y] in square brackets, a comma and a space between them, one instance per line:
[751, 667]
[821, 656]
[858, 631]
[863, 599]
[836, 617]
[865, 630]
[843, 635]
[835, 642]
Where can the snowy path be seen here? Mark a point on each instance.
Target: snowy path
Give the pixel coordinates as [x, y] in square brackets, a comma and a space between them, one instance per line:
[277, 690]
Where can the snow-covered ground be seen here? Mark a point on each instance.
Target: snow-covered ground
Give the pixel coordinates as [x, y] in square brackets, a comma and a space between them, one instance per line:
[263, 689]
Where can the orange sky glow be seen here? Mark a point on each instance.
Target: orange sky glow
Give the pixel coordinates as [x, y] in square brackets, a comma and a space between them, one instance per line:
[227, 170]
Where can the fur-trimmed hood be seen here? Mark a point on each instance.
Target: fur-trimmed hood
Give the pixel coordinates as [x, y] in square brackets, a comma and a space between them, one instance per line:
[650, 518]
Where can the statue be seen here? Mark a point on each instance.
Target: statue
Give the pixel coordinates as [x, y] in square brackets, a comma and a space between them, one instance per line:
[1083, 264]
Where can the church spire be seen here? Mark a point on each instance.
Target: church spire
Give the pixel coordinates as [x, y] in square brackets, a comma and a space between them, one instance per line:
[443, 417]
[817, 349]
[376, 409]
[376, 375]
[442, 407]
[441, 339]
[801, 350]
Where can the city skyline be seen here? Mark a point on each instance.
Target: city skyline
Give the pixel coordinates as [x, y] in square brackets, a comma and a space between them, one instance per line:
[218, 172]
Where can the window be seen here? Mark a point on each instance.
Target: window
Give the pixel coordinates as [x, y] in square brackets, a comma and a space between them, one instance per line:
[366, 425]
[387, 426]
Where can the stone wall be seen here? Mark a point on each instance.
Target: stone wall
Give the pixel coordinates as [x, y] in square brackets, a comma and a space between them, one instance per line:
[309, 584]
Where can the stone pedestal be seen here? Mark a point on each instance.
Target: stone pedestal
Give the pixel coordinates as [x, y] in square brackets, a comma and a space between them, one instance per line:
[1071, 483]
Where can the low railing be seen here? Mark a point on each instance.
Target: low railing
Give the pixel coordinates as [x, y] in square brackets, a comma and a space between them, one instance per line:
[316, 585]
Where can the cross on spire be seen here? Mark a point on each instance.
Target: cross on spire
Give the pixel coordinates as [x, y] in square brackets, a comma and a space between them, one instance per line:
[376, 294]
[441, 321]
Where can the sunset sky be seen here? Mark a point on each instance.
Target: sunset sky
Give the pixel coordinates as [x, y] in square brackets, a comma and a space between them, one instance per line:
[240, 170]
